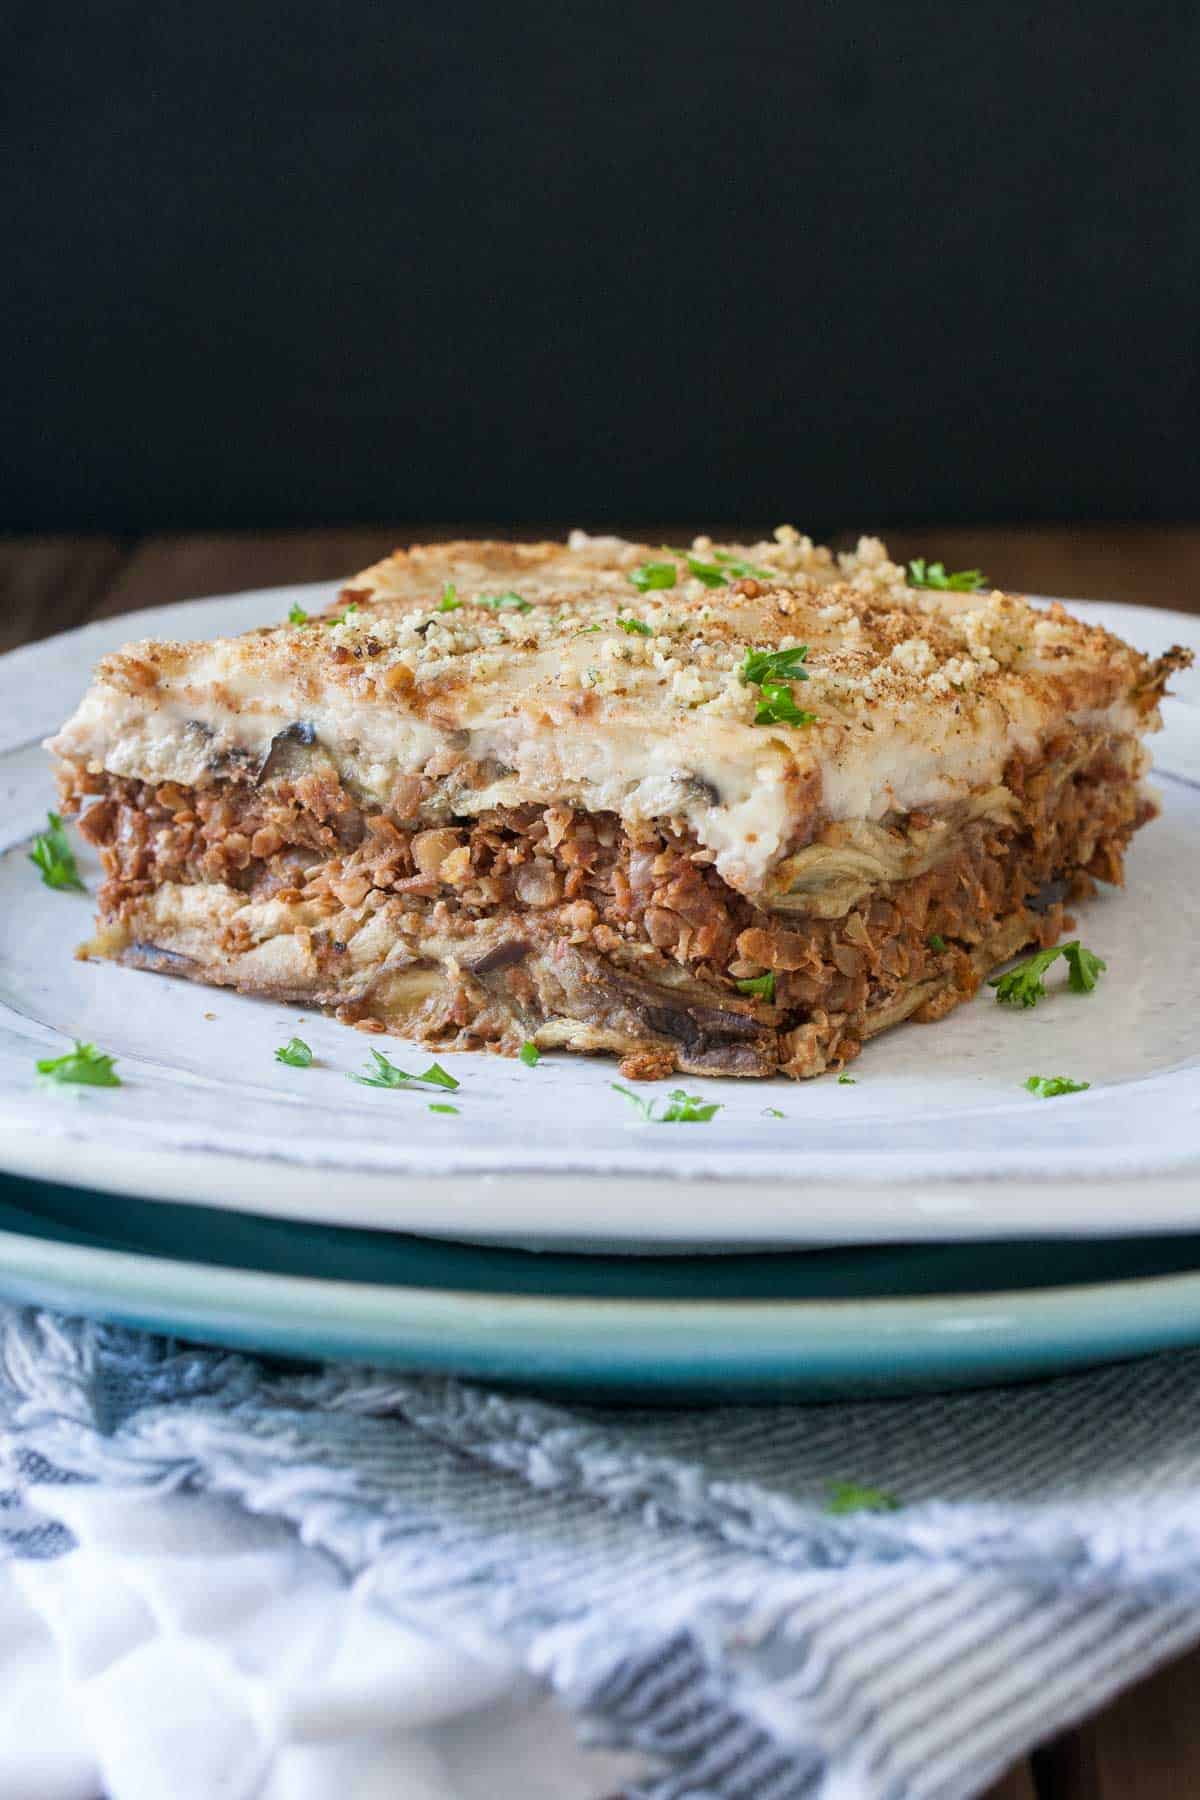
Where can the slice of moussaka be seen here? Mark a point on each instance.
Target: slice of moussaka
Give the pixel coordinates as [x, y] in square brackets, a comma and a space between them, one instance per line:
[729, 809]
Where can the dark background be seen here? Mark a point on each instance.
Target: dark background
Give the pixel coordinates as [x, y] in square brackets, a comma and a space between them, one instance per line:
[844, 264]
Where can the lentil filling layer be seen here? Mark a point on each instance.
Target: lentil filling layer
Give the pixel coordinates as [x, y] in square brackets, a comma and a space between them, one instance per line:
[568, 927]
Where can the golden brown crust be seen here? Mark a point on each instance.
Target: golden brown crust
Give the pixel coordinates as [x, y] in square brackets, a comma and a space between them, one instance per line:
[871, 646]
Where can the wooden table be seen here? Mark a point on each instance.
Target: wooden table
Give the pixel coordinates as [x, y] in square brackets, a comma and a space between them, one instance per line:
[1146, 1745]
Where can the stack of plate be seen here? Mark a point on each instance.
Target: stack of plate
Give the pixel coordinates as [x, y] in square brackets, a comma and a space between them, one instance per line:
[930, 1224]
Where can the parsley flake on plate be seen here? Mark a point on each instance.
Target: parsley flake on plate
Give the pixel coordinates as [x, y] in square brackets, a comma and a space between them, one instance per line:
[84, 1064]
[1023, 986]
[385, 1074]
[442, 1106]
[1084, 967]
[635, 628]
[847, 1081]
[853, 1497]
[651, 575]
[773, 1112]
[297, 614]
[760, 987]
[933, 575]
[436, 1076]
[449, 601]
[688, 1109]
[530, 1054]
[681, 1108]
[1049, 1087]
[53, 856]
[295, 1053]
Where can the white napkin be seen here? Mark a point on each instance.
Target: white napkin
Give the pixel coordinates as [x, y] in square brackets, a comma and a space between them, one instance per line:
[690, 1583]
[188, 1648]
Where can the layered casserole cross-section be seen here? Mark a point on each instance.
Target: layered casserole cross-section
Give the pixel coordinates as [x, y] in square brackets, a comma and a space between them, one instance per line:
[725, 809]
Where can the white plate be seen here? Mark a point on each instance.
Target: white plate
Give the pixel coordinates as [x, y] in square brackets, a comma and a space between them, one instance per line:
[937, 1137]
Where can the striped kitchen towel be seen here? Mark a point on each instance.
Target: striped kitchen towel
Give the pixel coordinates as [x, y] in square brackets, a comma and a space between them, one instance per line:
[871, 1600]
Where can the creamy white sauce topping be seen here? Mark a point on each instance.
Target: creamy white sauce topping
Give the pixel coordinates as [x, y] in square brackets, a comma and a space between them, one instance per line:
[631, 769]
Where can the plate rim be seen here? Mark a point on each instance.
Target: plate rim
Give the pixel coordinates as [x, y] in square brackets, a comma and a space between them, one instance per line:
[440, 1205]
[813, 1345]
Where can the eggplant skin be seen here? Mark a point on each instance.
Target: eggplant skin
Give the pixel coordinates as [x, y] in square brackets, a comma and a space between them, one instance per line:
[625, 1010]
[159, 961]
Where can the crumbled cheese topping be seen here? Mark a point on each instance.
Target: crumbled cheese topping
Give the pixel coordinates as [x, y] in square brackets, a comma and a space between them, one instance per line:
[914, 655]
[958, 675]
[998, 633]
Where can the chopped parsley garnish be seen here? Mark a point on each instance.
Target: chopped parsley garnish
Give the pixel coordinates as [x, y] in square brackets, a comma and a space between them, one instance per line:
[295, 1053]
[681, 1108]
[1049, 1087]
[936, 942]
[386, 1075]
[53, 856]
[635, 628]
[449, 601]
[1084, 967]
[84, 1064]
[507, 602]
[717, 573]
[853, 1497]
[530, 1054]
[688, 1109]
[1023, 986]
[650, 575]
[436, 1076]
[738, 567]
[764, 666]
[708, 572]
[762, 987]
[773, 1112]
[340, 618]
[771, 671]
[297, 614]
[779, 708]
[933, 575]
[442, 1106]
[847, 1081]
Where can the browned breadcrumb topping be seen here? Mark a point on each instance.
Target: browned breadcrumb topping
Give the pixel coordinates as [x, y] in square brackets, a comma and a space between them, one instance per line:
[872, 641]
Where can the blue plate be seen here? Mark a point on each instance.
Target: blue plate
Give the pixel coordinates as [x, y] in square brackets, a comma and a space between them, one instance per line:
[764, 1326]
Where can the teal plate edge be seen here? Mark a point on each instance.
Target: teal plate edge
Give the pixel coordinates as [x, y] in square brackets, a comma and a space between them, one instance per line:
[764, 1326]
